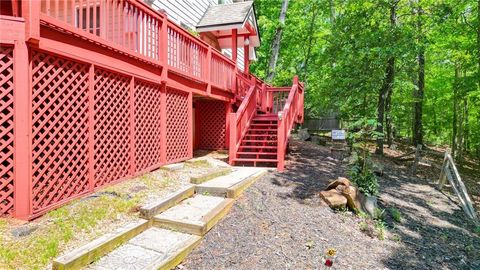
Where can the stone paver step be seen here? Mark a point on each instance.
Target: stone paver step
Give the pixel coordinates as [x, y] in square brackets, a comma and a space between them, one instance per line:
[196, 215]
[154, 248]
[232, 184]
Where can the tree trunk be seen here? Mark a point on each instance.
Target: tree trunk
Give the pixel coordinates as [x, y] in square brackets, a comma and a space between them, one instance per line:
[419, 92]
[276, 42]
[478, 44]
[311, 42]
[384, 96]
[332, 12]
[388, 117]
[455, 109]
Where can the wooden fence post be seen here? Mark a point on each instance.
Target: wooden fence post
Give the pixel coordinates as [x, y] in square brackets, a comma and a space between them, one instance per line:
[417, 158]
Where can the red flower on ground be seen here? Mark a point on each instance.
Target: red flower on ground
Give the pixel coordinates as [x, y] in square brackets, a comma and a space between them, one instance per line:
[328, 262]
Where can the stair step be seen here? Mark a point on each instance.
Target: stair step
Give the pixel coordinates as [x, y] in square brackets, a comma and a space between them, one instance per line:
[231, 185]
[257, 147]
[154, 248]
[262, 130]
[196, 215]
[259, 141]
[254, 160]
[263, 125]
[258, 153]
[86, 254]
[261, 135]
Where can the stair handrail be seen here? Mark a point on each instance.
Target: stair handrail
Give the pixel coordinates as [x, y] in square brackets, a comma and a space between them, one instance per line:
[239, 121]
[292, 113]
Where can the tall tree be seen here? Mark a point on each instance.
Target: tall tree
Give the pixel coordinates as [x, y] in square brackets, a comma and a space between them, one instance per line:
[420, 80]
[276, 42]
[384, 100]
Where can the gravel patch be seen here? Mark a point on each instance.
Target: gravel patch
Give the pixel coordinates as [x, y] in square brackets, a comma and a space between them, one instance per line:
[281, 223]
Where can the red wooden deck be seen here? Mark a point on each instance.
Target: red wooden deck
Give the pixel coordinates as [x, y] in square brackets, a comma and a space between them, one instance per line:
[85, 104]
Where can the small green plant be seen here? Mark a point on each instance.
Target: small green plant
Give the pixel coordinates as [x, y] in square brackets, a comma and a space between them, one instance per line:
[477, 230]
[379, 214]
[361, 172]
[380, 229]
[396, 215]
[396, 238]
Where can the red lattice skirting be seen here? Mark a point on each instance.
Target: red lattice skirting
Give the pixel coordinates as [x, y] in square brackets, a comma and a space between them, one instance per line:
[6, 130]
[210, 124]
[90, 127]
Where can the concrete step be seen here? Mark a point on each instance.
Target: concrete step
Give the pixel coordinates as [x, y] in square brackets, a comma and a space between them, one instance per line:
[154, 248]
[232, 184]
[88, 253]
[195, 215]
[150, 210]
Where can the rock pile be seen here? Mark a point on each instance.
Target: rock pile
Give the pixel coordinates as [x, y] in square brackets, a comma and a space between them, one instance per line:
[341, 193]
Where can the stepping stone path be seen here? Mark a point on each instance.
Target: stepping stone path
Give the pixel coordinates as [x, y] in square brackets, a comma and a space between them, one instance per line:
[172, 228]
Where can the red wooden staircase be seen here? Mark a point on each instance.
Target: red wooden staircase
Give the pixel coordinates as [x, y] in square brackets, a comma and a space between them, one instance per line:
[260, 128]
[259, 145]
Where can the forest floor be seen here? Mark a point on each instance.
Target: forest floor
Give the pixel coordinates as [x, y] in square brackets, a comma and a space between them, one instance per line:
[281, 223]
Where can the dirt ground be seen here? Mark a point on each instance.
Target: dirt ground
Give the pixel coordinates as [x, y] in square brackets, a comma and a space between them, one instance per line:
[280, 223]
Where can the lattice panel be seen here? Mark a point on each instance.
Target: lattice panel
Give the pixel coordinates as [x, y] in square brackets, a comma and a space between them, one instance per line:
[147, 125]
[6, 130]
[211, 124]
[112, 126]
[177, 125]
[59, 129]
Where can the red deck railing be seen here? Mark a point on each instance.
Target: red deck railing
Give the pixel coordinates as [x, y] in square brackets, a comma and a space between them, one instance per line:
[97, 91]
[285, 102]
[131, 27]
[291, 114]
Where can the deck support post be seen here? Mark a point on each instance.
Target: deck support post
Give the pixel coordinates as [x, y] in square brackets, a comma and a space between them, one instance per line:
[91, 127]
[22, 132]
[163, 123]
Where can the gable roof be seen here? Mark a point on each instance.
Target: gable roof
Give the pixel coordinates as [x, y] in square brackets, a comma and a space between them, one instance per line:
[225, 15]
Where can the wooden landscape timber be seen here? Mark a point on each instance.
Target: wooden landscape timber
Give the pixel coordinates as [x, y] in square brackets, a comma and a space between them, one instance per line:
[449, 171]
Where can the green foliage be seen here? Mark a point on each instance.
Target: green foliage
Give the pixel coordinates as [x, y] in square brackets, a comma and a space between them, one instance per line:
[361, 173]
[343, 60]
[396, 215]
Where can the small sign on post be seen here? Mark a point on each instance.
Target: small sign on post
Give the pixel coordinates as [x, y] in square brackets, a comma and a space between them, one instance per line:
[338, 140]
[338, 135]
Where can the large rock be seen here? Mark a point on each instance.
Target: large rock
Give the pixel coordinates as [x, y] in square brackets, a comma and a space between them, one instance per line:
[340, 181]
[303, 134]
[353, 202]
[334, 198]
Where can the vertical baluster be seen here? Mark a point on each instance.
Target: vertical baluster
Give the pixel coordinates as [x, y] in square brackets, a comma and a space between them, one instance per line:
[127, 30]
[119, 22]
[72, 16]
[47, 7]
[114, 26]
[107, 19]
[87, 5]
[149, 44]
[122, 22]
[80, 15]
[65, 4]
[95, 18]
[57, 12]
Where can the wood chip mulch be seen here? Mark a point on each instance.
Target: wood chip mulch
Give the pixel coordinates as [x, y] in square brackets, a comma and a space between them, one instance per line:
[281, 223]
